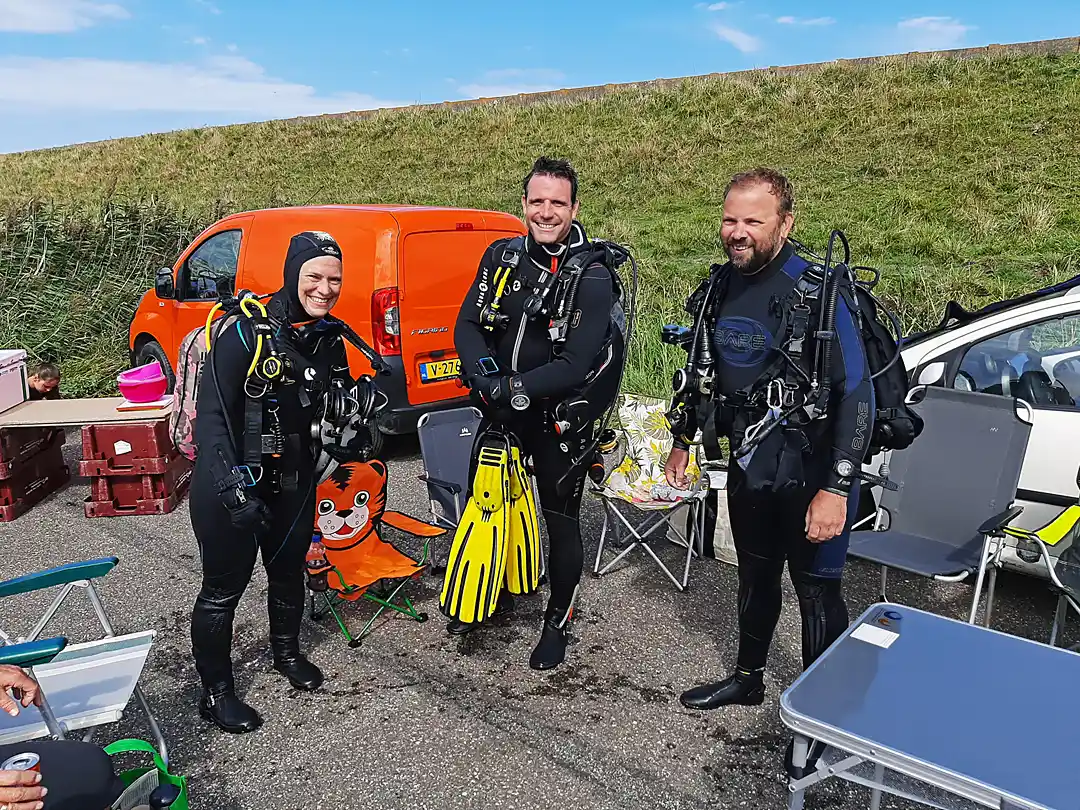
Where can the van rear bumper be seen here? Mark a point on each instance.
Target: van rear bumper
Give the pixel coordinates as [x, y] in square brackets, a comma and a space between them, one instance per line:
[400, 416]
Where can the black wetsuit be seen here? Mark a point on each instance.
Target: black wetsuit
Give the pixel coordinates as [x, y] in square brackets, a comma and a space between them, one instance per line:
[525, 347]
[768, 526]
[229, 541]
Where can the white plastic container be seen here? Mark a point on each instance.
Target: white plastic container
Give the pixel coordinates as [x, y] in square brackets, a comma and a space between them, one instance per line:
[13, 386]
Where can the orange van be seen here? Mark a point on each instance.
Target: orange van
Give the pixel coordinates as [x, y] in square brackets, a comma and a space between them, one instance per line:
[406, 272]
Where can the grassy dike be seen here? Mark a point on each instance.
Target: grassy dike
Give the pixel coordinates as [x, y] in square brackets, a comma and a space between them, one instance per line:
[957, 178]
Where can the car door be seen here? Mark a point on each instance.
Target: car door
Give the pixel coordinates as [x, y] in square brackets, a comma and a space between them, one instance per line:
[208, 272]
[1033, 355]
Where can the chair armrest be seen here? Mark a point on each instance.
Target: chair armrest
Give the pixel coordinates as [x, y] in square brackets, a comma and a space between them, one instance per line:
[998, 521]
[63, 575]
[32, 653]
[449, 487]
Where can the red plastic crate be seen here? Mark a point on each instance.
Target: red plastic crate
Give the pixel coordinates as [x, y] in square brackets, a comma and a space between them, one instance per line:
[31, 473]
[130, 466]
[156, 506]
[17, 445]
[41, 476]
[127, 491]
[123, 444]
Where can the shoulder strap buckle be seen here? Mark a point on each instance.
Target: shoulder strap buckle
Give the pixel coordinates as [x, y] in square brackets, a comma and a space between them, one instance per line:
[511, 254]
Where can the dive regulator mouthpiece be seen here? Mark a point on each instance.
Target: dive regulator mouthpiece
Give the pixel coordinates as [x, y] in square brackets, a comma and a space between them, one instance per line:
[680, 381]
[532, 305]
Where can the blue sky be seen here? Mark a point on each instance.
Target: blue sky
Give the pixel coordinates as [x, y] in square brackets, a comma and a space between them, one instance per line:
[82, 70]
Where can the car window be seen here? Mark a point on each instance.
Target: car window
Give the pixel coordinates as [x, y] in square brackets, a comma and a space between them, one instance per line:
[1039, 363]
[210, 270]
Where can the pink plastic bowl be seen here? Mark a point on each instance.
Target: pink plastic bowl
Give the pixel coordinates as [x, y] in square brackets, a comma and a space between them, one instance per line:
[143, 384]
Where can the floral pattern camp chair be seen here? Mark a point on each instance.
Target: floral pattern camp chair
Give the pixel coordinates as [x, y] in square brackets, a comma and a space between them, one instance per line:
[638, 485]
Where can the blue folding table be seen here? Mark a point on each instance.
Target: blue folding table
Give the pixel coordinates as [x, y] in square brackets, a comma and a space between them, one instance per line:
[941, 712]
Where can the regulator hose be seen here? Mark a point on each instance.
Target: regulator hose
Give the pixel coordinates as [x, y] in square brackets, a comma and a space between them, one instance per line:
[827, 315]
[631, 317]
[245, 295]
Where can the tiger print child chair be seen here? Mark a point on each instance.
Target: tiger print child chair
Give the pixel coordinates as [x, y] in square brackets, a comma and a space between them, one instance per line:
[349, 560]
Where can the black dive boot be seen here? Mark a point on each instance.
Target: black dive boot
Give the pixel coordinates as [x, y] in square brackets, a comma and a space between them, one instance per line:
[286, 606]
[743, 689]
[211, 632]
[551, 649]
[220, 705]
[503, 606]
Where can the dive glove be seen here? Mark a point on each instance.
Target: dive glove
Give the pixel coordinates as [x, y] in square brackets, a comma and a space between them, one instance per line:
[499, 392]
[246, 511]
[492, 390]
[251, 515]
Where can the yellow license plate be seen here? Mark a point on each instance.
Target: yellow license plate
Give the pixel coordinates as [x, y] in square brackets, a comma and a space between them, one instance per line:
[440, 370]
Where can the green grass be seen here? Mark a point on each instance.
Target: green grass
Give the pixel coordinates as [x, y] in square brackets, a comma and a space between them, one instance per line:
[957, 178]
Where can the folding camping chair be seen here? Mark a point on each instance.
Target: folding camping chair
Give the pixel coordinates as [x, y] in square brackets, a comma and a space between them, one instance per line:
[446, 442]
[349, 560]
[956, 485]
[446, 445]
[83, 685]
[639, 482]
[92, 682]
[1064, 575]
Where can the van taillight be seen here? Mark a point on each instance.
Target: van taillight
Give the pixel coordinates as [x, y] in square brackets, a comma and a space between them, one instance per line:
[385, 323]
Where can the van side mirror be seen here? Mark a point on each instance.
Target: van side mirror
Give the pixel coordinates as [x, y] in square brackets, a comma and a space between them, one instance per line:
[163, 283]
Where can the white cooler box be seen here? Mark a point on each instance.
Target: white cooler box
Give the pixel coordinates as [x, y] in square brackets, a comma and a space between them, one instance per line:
[13, 386]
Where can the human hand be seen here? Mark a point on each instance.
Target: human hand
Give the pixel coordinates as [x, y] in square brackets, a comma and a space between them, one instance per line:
[14, 678]
[826, 516]
[21, 790]
[675, 468]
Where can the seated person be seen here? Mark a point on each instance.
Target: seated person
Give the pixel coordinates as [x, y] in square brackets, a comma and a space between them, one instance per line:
[74, 775]
[45, 382]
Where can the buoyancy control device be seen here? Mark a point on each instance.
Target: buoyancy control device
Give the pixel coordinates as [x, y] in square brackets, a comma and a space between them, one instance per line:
[794, 390]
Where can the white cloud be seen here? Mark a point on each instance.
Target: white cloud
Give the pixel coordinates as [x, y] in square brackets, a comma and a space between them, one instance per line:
[717, 6]
[512, 81]
[810, 21]
[740, 39]
[200, 41]
[222, 84]
[209, 6]
[56, 16]
[931, 33]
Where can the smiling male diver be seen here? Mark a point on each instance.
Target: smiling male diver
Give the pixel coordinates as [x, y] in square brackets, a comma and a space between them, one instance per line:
[542, 350]
[793, 498]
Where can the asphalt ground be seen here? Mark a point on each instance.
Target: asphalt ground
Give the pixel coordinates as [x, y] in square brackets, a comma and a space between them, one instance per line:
[415, 718]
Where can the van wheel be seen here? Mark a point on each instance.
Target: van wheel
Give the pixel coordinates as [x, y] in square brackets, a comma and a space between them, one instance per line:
[151, 351]
[378, 442]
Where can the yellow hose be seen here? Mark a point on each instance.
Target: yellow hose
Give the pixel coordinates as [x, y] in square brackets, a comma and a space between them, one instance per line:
[243, 308]
[258, 339]
[209, 319]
